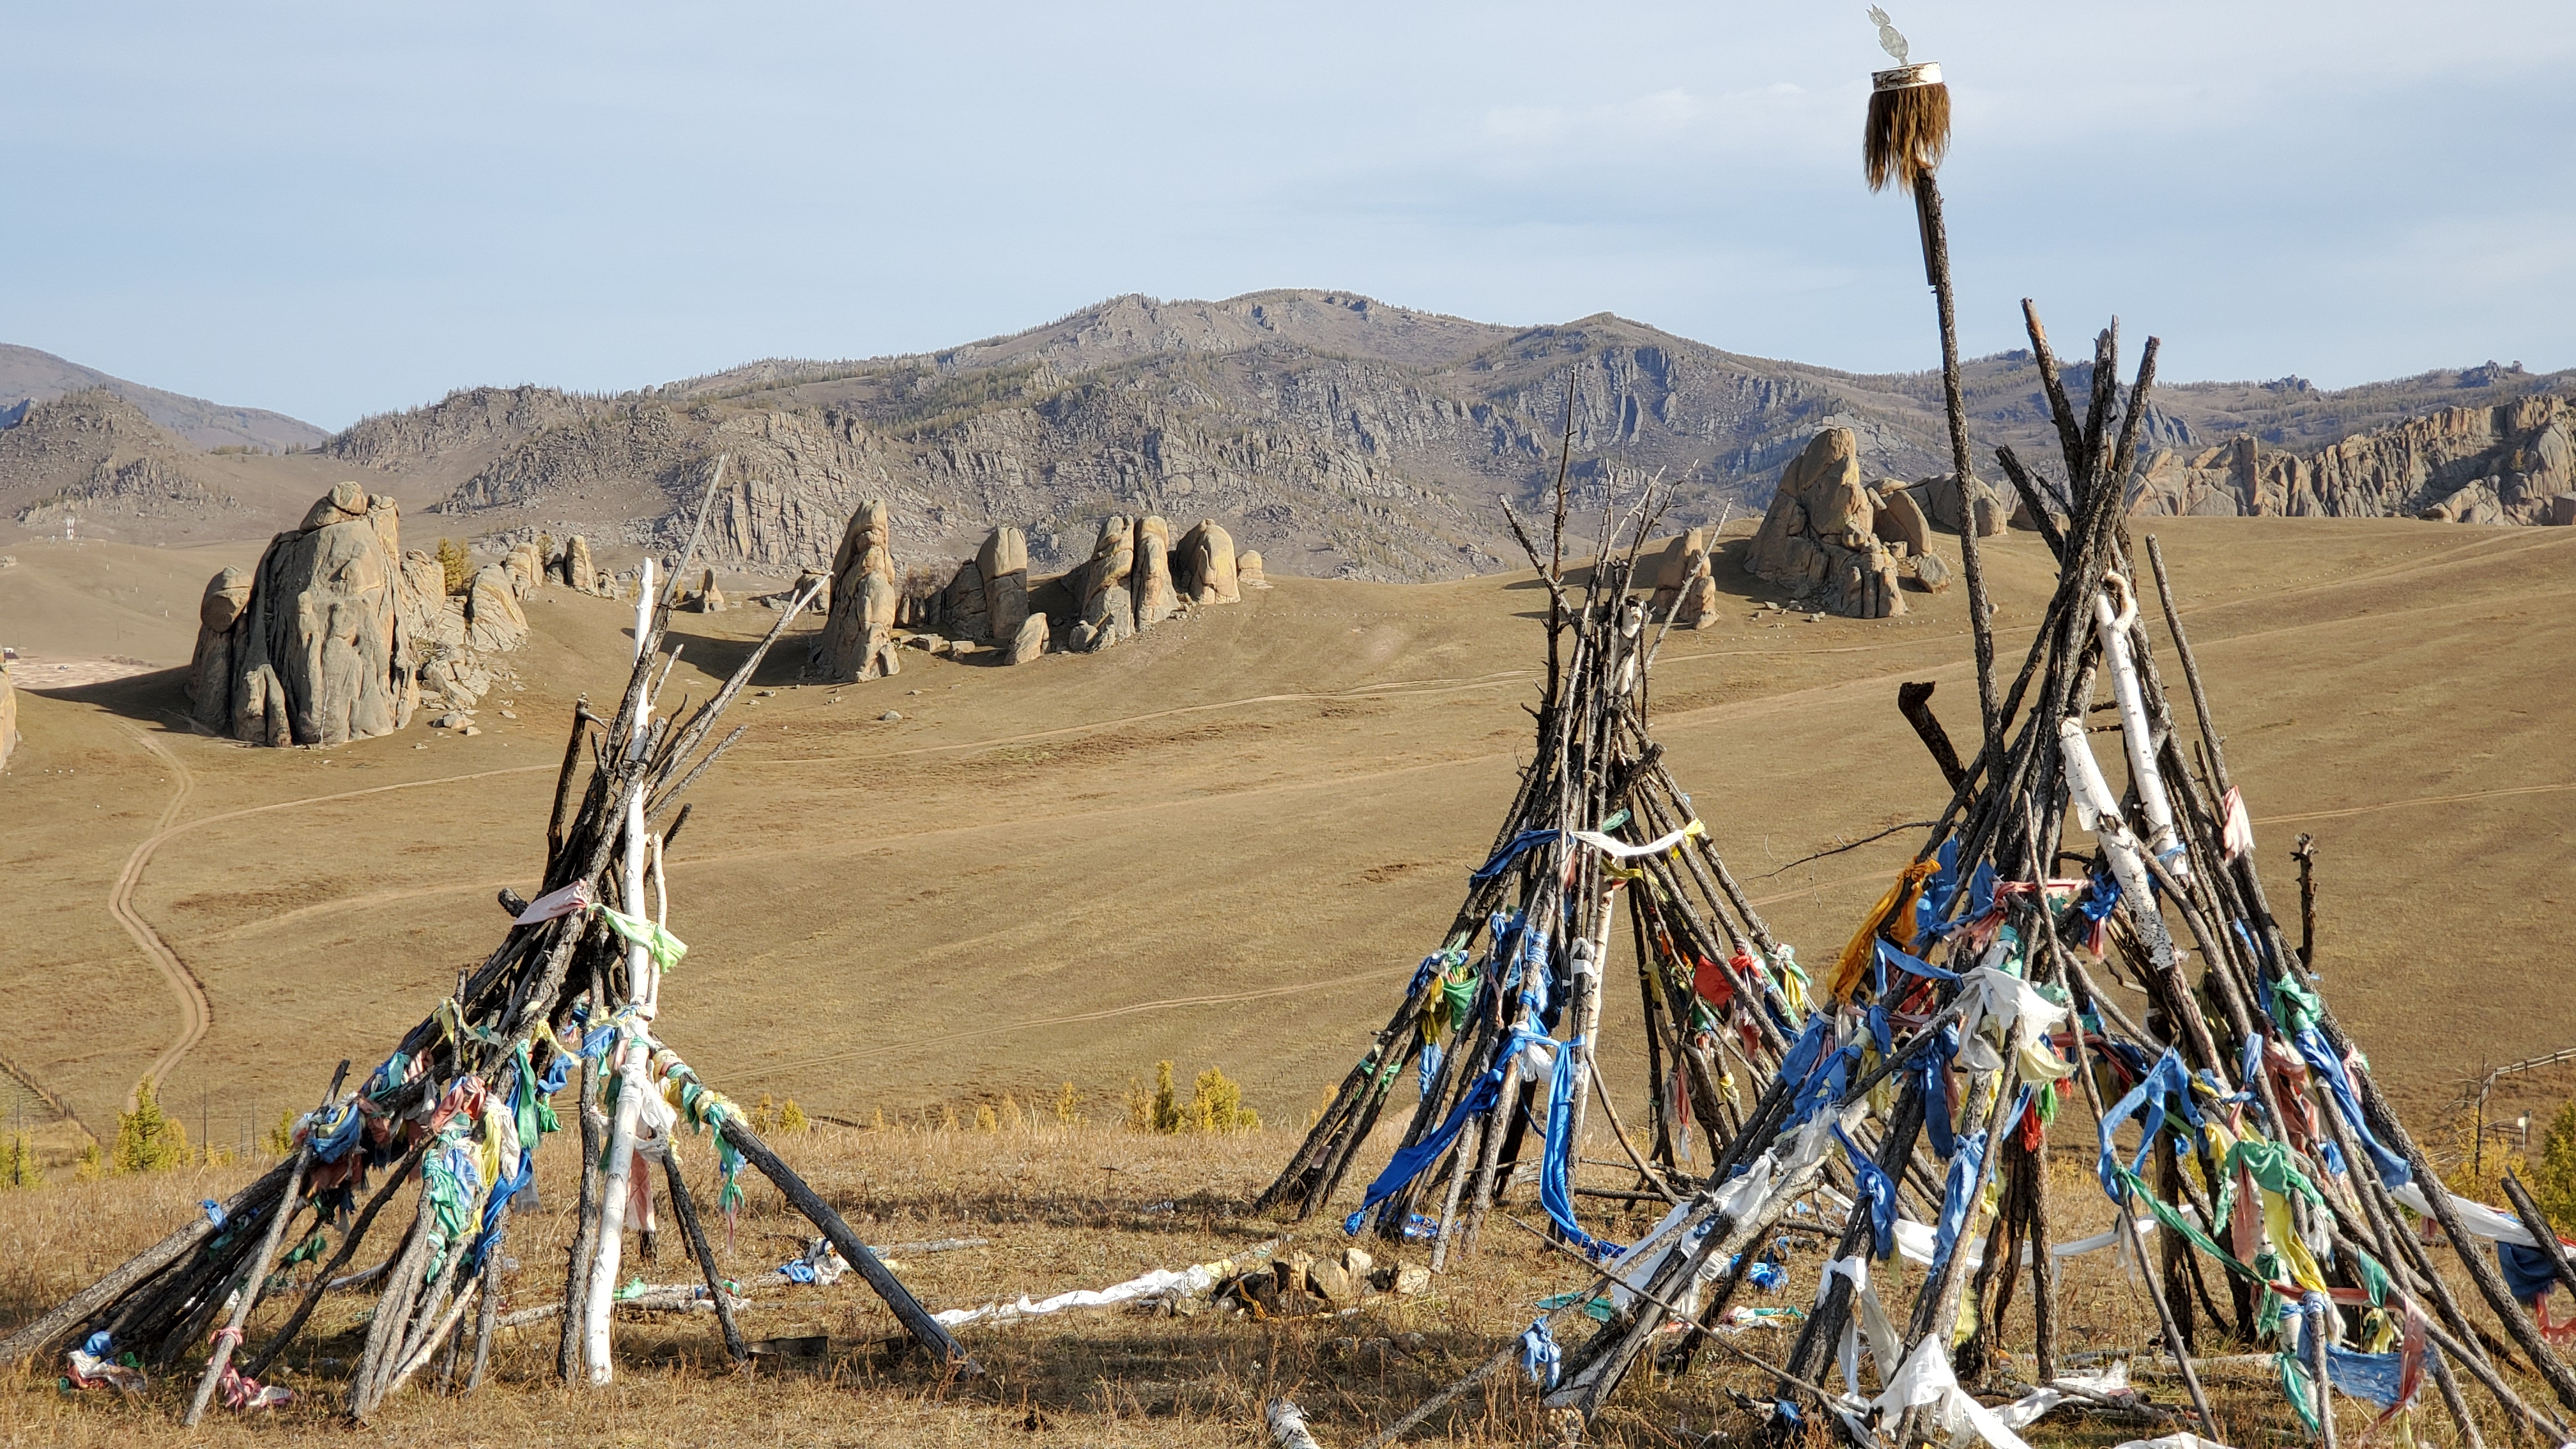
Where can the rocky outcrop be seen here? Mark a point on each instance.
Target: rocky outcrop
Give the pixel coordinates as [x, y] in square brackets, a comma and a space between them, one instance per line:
[1107, 608]
[1028, 642]
[1002, 565]
[575, 568]
[2509, 463]
[1205, 571]
[857, 642]
[527, 565]
[315, 656]
[1899, 520]
[212, 670]
[494, 623]
[964, 606]
[1248, 574]
[1939, 500]
[1151, 579]
[1820, 538]
[339, 635]
[1684, 582]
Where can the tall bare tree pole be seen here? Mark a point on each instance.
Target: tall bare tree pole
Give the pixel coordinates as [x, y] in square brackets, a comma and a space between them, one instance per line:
[1907, 135]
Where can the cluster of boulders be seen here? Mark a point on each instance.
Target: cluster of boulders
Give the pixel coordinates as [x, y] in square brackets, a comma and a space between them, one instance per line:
[1846, 548]
[339, 634]
[1135, 578]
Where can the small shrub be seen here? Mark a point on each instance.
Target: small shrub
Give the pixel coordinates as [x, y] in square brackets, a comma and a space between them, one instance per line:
[791, 1118]
[453, 561]
[281, 1138]
[1066, 1107]
[1216, 1105]
[91, 1165]
[986, 1120]
[879, 1120]
[948, 1117]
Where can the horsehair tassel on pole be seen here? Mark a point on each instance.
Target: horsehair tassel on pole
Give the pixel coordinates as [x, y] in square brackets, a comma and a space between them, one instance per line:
[1907, 135]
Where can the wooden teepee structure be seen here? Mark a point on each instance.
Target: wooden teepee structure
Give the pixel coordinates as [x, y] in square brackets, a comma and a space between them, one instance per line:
[1974, 986]
[459, 1108]
[1599, 829]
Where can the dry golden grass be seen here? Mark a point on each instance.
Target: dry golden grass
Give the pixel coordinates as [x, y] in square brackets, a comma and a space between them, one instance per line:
[1063, 1208]
[1225, 843]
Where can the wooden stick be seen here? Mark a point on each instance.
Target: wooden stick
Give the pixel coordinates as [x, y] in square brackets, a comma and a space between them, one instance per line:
[248, 1293]
[348, 1248]
[925, 1330]
[585, 1211]
[1936, 266]
[491, 1306]
[1610, 1110]
[429, 1345]
[393, 1312]
[41, 1336]
[2536, 1223]
[687, 1212]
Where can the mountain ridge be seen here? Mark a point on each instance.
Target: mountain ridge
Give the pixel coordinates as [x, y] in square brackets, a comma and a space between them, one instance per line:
[28, 375]
[1339, 434]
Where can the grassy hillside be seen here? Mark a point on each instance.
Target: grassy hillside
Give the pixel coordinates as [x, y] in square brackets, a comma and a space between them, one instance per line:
[1228, 842]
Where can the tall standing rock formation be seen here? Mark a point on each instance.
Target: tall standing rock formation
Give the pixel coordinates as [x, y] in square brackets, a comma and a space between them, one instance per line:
[1108, 611]
[1003, 566]
[857, 642]
[1151, 580]
[8, 716]
[1204, 571]
[1820, 539]
[1685, 582]
[211, 672]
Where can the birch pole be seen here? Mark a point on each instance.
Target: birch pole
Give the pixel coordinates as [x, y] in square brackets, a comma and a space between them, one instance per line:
[600, 1299]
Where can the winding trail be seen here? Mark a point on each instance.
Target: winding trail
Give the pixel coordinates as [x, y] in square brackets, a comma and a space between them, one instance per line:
[196, 1013]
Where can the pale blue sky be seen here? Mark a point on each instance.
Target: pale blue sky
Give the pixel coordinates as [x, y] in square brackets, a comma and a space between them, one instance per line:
[338, 209]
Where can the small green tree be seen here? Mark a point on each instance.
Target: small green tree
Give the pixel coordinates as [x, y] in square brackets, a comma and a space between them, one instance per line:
[281, 1138]
[458, 568]
[91, 1165]
[147, 1140]
[1167, 1107]
[18, 1165]
[791, 1118]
